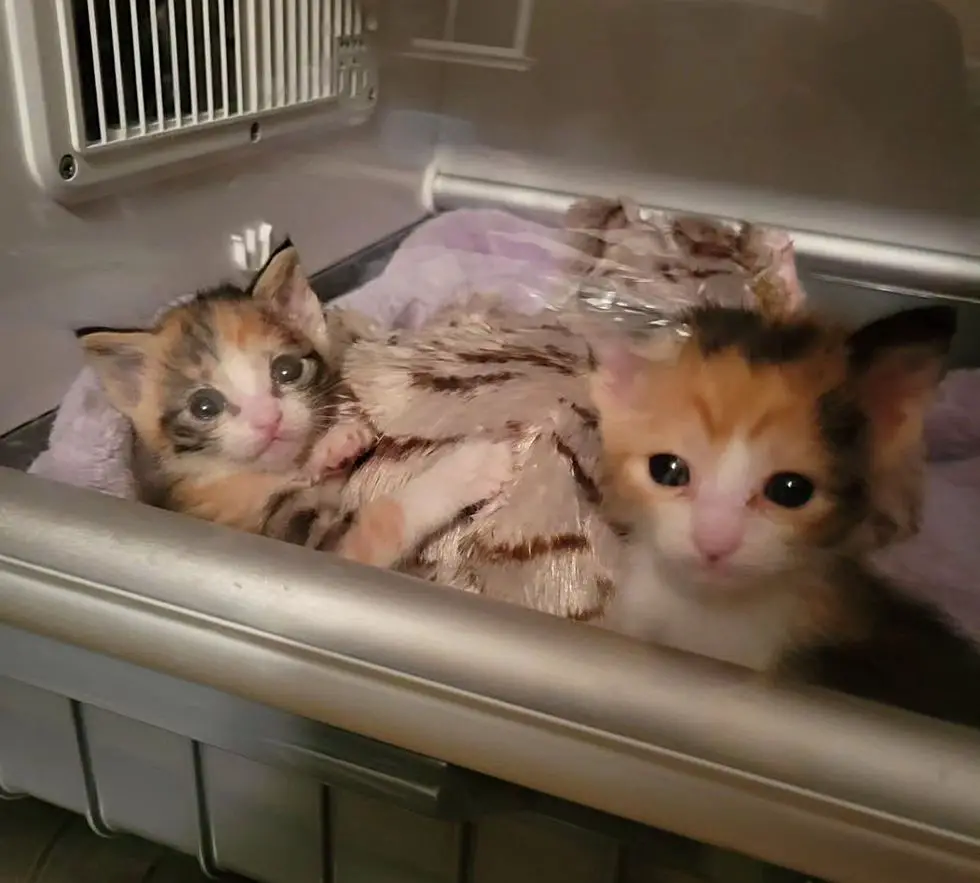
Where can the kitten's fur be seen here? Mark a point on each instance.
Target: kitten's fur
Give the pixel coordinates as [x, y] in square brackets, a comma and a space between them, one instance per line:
[716, 567]
[270, 460]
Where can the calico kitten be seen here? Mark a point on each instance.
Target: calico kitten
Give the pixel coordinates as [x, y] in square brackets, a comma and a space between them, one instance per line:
[759, 460]
[234, 397]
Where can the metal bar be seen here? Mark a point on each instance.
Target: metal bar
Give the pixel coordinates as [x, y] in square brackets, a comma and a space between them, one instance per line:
[336, 75]
[449, 24]
[175, 64]
[956, 273]
[117, 66]
[157, 69]
[267, 61]
[208, 62]
[279, 44]
[316, 32]
[191, 58]
[93, 30]
[303, 38]
[290, 43]
[251, 27]
[522, 28]
[329, 32]
[138, 64]
[223, 35]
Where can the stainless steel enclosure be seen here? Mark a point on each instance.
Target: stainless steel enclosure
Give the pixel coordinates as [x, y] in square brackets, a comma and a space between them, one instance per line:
[295, 720]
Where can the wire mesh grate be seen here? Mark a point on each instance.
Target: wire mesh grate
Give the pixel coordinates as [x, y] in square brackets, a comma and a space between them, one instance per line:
[145, 68]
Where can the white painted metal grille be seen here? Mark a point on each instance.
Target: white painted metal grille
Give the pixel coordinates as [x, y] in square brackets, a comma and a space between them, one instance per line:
[142, 69]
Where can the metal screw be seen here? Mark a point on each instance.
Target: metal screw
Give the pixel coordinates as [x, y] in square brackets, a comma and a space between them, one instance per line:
[67, 167]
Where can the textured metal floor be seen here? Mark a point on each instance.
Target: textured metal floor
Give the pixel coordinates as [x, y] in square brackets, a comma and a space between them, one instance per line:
[43, 844]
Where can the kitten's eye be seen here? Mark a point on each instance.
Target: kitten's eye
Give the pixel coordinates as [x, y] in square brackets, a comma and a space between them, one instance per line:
[789, 490]
[291, 369]
[206, 404]
[669, 470]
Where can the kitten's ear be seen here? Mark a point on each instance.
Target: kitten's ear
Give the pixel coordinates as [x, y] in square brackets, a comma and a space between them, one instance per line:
[282, 286]
[119, 359]
[897, 363]
[618, 366]
[587, 223]
[615, 369]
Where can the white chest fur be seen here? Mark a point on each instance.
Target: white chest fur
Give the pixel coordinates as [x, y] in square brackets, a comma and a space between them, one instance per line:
[752, 632]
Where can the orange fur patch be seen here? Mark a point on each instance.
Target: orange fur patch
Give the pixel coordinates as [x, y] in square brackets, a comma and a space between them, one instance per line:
[241, 324]
[377, 536]
[237, 500]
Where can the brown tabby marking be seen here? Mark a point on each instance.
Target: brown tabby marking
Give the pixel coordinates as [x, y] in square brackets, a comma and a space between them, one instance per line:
[589, 418]
[399, 449]
[534, 547]
[547, 357]
[590, 490]
[428, 380]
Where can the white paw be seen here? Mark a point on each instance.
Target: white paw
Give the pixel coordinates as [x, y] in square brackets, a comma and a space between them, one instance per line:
[479, 470]
[339, 446]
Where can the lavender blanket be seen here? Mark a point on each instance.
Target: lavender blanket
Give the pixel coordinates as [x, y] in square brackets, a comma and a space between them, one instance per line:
[457, 254]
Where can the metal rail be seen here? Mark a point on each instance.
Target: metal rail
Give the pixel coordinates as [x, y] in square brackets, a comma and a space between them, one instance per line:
[829, 786]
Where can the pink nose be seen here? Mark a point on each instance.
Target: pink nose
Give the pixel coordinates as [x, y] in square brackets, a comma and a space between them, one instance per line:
[264, 415]
[717, 538]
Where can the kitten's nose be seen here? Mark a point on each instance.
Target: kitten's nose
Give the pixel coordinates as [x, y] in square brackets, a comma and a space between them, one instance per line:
[265, 415]
[717, 540]
[716, 553]
[270, 426]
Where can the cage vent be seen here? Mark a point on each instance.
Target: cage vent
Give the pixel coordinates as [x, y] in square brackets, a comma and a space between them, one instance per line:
[145, 83]
[475, 32]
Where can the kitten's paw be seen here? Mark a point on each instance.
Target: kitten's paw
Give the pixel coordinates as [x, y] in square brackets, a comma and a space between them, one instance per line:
[480, 469]
[339, 446]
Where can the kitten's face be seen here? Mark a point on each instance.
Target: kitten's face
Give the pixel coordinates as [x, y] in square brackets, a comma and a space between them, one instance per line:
[226, 381]
[741, 466]
[728, 469]
[231, 379]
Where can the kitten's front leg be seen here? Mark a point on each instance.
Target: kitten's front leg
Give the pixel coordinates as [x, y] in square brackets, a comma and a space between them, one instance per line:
[246, 501]
[339, 446]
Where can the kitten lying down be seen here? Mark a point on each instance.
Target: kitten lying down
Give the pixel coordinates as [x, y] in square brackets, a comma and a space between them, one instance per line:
[758, 462]
[234, 397]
